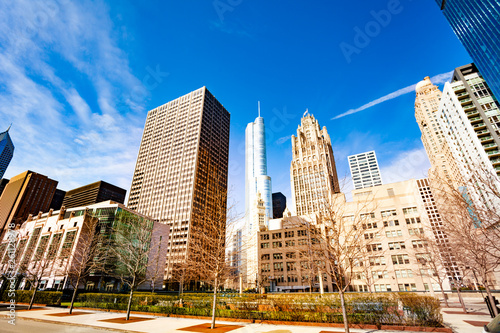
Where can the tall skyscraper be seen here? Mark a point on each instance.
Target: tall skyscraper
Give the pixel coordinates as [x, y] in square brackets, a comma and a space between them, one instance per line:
[257, 180]
[313, 172]
[183, 157]
[443, 166]
[477, 26]
[93, 193]
[25, 194]
[364, 170]
[470, 116]
[6, 151]
[258, 193]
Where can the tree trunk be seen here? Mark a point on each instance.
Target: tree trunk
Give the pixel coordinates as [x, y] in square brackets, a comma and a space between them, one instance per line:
[344, 311]
[74, 295]
[212, 326]
[490, 299]
[132, 285]
[33, 296]
[181, 285]
[444, 295]
[461, 300]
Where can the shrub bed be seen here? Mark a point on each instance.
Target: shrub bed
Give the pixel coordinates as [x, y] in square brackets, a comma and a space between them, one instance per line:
[376, 309]
[41, 297]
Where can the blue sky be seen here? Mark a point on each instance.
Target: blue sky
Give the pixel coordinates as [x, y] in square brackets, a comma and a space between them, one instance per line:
[77, 78]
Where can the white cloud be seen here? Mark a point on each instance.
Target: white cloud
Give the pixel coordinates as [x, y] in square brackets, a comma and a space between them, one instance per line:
[406, 165]
[437, 79]
[73, 135]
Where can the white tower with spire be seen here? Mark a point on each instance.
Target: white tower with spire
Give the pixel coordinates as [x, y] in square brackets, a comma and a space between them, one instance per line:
[258, 192]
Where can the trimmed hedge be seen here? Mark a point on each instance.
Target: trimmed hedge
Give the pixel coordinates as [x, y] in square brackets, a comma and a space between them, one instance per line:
[41, 297]
[377, 308]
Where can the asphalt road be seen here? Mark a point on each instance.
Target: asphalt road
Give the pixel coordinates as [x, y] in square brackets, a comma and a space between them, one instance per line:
[41, 327]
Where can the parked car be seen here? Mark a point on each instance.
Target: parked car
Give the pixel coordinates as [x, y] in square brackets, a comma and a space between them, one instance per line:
[493, 326]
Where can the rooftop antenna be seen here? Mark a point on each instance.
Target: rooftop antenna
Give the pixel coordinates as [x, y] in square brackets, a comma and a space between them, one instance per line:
[259, 107]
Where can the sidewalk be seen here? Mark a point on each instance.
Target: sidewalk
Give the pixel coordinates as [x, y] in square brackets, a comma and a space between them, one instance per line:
[460, 322]
[149, 323]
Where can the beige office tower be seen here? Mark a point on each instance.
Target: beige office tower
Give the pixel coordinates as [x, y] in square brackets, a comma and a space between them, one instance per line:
[443, 166]
[313, 173]
[182, 161]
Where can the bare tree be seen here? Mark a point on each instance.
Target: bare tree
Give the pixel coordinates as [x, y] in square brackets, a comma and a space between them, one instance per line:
[471, 215]
[434, 260]
[129, 251]
[342, 230]
[207, 243]
[42, 263]
[89, 255]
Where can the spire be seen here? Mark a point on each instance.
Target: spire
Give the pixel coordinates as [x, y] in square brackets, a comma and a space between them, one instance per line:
[9, 127]
[259, 107]
[307, 111]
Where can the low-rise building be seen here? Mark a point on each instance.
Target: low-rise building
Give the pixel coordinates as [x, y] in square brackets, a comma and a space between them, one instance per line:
[55, 239]
[397, 221]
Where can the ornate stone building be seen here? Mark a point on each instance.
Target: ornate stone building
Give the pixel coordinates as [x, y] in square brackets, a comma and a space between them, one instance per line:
[313, 172]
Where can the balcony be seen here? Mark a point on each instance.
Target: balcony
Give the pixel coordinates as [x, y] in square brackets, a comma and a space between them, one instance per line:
[465, 100]
[475, 119]
[486, 138]
[461, 94]
[458, 88]
[495, 161]
[479, 126]
[493, 152]
[468, 107]
[489, 146]
[472, 113]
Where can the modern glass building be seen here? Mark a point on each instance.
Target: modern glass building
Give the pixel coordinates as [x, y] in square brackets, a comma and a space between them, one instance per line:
[477, 25]
[257, 180]
[258, 195]
[6, 151]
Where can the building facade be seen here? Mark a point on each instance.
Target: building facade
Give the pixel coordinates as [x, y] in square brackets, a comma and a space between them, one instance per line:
[6, 151]
[93, 193]
[397, 220]
[313, 172]
[477, 26]
[471, 117]
[52, 241]
[182, 163]
[279, 205]
[285, 260]
[25, 194]
[364, 170]
[443, 166]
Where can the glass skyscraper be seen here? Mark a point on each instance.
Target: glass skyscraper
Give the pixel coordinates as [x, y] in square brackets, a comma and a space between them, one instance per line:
[6, 151]
[258, 196]
[477, 25]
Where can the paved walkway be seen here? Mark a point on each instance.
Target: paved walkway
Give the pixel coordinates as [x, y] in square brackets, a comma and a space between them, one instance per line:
[150, 323]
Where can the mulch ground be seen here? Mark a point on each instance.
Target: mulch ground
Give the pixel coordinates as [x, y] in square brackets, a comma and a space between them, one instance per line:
[66, 314]
[468, 313]
[219, 328]
[124, 320]
[476, 323]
